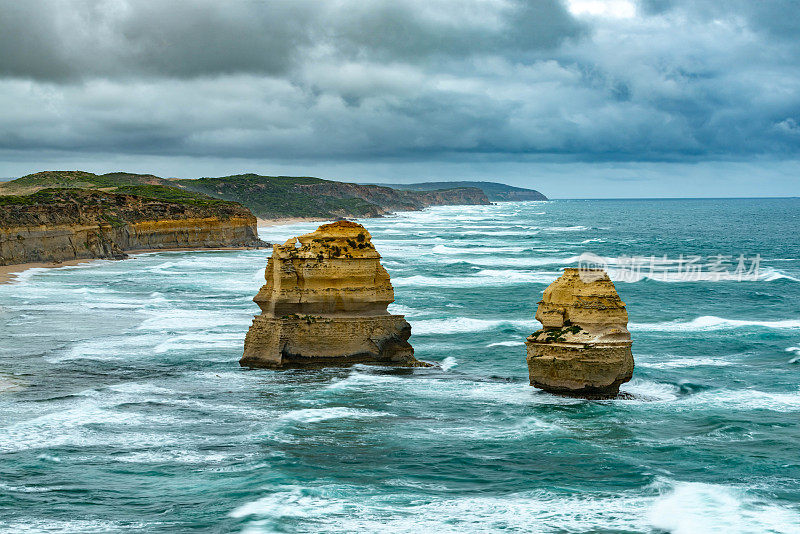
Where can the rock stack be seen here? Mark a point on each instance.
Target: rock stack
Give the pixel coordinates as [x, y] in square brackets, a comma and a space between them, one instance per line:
[584, 347]
[325, 303]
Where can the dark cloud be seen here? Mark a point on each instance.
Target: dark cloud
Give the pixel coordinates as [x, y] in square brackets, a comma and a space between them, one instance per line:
[401, 80]
[60, 39]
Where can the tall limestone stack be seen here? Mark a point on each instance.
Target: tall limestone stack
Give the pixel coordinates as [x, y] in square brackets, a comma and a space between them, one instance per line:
[584, 348]
[325, 303]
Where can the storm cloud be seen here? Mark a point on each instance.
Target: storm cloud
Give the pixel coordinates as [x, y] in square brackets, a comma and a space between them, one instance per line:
[399, 80]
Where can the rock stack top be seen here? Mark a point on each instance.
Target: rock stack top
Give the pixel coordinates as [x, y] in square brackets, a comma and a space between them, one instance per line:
[583, 348]
[332, 270]
[585, 298]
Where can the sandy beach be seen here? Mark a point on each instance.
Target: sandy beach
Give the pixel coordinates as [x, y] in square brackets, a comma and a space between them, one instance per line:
[8, 272]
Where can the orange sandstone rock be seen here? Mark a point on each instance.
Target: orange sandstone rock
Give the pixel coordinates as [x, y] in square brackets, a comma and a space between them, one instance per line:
[325, 303]
[584, 348]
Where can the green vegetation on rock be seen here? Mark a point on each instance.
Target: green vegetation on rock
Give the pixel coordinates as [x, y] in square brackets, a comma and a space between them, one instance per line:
[265, 196]
[281, 196]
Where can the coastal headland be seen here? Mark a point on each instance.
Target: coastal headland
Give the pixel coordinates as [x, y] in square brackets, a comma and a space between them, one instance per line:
[54, 218]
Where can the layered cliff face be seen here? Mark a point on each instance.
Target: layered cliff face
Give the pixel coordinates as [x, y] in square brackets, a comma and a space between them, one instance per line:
[325, 303]
[584, 348]
[68, 224]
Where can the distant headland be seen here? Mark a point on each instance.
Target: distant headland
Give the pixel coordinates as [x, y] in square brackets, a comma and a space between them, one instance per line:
[495, 191]
[57, 216]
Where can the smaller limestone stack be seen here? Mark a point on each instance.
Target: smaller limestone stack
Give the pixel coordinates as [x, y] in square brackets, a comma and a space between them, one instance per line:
[325, 303]
[584, 348]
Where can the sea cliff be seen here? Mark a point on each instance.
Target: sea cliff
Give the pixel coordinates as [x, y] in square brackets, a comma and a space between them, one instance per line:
[54, 225]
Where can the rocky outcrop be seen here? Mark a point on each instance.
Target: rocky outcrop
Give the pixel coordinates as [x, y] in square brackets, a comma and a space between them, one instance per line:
[325, 303]
[584, 347]
[55, 225]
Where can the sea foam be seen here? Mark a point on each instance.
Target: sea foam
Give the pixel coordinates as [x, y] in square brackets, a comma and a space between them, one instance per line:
[710, 322]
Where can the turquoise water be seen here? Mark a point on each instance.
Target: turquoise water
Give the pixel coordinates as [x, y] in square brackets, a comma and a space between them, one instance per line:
[124, 406]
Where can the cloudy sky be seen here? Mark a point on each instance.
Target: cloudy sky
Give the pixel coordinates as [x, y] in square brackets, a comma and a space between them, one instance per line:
[578, 98]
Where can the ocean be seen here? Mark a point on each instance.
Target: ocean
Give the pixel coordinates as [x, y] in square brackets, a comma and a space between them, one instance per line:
[123, 407]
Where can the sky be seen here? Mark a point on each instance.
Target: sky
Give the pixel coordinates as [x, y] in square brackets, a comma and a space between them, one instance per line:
[575, 98]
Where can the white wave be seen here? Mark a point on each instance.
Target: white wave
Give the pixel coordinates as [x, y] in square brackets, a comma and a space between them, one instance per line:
[448, 363]
[108, 348]
[399, 309]
[631, 276]
[201, 341]
[315, 415]
[359, 380]
[532, 261]
[78, 427]
[650, 391]
[84, 526]
[347, 508]
[506, 344]
[678, 363]
[189, 319]
[796, 351]
[692, 507]
[678, 508]
[448, 249]
[486, 277]
[747, 399]
[710, 322]
[174, 456]
[577, 228]
[23, 489]
[464, 325]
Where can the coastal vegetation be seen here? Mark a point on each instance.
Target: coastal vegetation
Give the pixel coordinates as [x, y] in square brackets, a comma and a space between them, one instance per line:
[265, 196]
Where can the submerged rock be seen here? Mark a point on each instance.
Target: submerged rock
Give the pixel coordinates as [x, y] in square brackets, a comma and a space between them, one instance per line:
[584, 347]
[325, 303]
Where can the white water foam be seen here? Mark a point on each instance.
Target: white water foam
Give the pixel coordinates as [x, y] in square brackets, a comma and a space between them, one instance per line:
[796, 351]
[631, 276]
[448, 363]
[678, 363]
[315, 415]
[681, 508]
[188, 319]
[747, 399]
[463, 325]
[710, 322]
[692, 507]
[481, 279]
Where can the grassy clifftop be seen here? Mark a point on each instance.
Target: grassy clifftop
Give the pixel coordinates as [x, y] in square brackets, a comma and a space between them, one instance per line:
[265, 196]
[281, 196]
[291, 196]
[143, 185]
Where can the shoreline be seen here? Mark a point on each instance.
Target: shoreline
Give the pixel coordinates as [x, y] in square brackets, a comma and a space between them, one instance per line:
[8, 273]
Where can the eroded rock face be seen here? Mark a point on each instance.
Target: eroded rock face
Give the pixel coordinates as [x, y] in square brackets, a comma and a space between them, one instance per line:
[325, 303]
[72, 224]
[584, 348]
